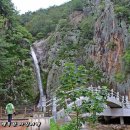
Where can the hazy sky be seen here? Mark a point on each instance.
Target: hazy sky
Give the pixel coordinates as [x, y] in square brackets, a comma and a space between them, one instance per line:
[31, 5]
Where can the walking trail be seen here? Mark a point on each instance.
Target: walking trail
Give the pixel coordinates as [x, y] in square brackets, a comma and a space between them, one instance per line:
[12, 127]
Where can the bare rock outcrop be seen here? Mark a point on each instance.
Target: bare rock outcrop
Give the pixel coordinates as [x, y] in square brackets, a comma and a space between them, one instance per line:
[111, 39]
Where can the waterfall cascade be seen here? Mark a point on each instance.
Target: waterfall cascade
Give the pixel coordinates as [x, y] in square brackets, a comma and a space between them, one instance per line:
[42, 100]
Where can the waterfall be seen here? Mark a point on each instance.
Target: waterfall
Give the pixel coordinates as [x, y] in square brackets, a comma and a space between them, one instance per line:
[42, 100]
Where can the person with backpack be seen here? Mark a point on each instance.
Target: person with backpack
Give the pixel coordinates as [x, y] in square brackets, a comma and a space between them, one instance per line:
[10, 110]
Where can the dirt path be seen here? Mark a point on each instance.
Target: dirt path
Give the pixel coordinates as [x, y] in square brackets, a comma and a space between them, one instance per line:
[13, 128]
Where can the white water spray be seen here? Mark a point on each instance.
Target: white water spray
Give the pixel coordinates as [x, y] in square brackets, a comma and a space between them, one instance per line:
[42, 101]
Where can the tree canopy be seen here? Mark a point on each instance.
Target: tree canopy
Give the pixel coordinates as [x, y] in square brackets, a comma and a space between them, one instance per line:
[16, 73]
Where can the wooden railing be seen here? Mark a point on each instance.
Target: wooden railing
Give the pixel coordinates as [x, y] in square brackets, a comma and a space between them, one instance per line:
[20, 112]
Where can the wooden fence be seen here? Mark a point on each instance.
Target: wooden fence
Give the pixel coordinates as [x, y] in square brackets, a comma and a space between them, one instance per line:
[25, 112]
[20, 112]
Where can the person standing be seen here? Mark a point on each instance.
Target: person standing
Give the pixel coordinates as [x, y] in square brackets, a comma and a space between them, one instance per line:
[10, 110]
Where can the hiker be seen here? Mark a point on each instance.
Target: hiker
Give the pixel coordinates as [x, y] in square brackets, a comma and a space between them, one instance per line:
[10, 110]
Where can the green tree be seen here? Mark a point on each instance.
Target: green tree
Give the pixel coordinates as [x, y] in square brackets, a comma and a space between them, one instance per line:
[126, 58]
[77, 5]
[16, 74]
[87, 27]
[45, 20]
[122, 9]
[73, 86]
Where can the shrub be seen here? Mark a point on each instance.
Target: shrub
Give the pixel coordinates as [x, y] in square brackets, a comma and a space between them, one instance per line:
[126, 58]
[63, 23]
[111, 46]
[119, 77]
[54, 125]
[87, 28]
[77, 5]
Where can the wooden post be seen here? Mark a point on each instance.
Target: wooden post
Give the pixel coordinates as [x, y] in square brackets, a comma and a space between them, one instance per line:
[1, 112]
[25, 111]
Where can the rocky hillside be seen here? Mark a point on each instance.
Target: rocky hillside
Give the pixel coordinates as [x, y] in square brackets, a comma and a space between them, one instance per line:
[96, 35]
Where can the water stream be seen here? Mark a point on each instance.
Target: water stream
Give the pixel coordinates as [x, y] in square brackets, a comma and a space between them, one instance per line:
[42, 100]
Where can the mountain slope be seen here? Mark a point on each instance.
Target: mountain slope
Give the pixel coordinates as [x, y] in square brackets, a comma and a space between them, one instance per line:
[96, 36]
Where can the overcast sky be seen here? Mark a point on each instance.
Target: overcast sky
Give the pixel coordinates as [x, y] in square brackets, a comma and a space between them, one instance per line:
[32, 5]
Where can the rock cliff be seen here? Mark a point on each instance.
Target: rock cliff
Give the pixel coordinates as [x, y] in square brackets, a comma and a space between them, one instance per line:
[111, 39]
[106, 48]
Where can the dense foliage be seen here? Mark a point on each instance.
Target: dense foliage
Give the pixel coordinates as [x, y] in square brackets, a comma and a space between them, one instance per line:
[44, 21]
[18, 32]
[16, 73]
[73, 86]
[126, 58]
[67, 126]
[122, 10]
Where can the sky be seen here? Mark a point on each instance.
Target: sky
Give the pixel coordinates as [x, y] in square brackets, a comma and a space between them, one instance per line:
[32, 5]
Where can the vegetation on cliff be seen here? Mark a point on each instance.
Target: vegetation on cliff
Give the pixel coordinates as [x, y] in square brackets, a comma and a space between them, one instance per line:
[44, 21]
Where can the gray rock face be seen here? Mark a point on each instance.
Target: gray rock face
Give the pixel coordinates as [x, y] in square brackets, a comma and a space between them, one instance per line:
[111, 39]
[53, 79]
[47, 54]
[41, 48]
